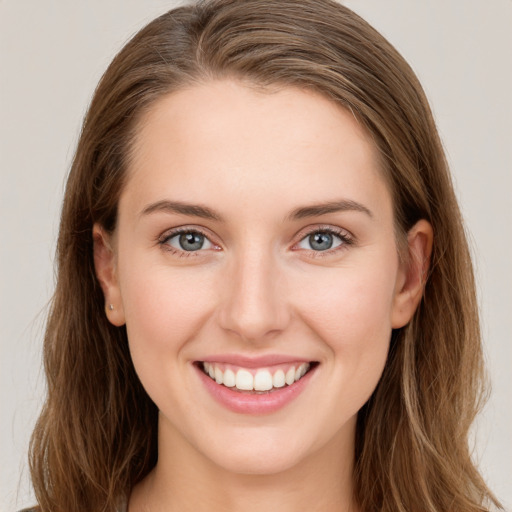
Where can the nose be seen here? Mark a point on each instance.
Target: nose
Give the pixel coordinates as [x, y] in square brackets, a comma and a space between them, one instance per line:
[255, 305]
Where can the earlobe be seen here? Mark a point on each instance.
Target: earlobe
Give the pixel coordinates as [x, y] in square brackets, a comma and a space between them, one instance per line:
[105, 266]
[412, 273]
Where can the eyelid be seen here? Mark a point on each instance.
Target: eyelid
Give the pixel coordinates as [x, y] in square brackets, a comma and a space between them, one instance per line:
[346, 237]
[172, 232]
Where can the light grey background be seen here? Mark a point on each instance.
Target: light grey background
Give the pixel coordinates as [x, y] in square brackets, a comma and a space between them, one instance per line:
[53, 52]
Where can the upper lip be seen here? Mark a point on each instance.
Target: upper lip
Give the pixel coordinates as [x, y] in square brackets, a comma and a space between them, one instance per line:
[254, 362]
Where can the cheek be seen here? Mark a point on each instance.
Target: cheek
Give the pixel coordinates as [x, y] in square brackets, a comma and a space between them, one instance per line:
[344, 303]
[164, 308]
[350, 311]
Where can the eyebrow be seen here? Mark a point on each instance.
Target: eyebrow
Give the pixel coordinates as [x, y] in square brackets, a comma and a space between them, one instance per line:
[341, 205]
[195, 210]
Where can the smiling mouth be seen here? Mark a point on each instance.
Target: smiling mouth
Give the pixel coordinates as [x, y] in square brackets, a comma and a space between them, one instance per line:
[257, 380]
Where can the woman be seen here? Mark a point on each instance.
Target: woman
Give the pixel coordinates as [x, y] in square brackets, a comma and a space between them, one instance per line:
[265, 297]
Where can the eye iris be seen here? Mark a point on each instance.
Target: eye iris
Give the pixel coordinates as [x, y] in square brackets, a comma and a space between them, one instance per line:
[320, 241]
[191, 241]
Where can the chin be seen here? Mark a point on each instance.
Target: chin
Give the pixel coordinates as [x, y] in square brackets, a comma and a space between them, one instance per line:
[260, 450]
[258, 462]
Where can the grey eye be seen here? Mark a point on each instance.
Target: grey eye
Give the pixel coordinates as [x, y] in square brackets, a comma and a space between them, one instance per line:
[320, 241]
[189, 241]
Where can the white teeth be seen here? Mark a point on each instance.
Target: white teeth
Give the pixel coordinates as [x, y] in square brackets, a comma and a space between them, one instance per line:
[263, 380]
[300, 371]
[278, 380]
[244, 380]
[229, 378]
[290, 376]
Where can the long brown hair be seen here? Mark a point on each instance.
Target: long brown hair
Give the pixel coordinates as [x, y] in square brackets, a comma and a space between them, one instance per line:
[96, 436]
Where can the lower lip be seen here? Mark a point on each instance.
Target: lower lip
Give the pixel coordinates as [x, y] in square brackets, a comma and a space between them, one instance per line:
[248, 403]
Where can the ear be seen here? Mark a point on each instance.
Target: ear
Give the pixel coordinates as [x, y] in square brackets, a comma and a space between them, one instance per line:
[412, 273]
[106, 272]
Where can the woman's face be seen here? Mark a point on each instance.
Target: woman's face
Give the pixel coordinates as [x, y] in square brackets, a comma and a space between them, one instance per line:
[255, 240]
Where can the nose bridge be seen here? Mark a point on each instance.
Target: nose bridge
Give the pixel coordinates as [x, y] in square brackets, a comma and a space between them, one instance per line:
[255, 305]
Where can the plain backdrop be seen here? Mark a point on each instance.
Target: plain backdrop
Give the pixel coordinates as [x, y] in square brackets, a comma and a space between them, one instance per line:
[53, 52]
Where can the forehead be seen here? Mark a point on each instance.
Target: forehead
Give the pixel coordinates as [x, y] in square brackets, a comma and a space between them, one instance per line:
[252, 142]
[226, 107]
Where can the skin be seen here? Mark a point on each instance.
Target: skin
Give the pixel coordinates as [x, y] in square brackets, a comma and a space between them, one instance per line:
[257, 288]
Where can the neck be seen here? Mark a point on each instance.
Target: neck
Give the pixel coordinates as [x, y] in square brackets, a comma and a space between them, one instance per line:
[184, 480]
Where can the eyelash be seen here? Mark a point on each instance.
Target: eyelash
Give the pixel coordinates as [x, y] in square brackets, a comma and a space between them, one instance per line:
[164, 239]
[345, 238]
